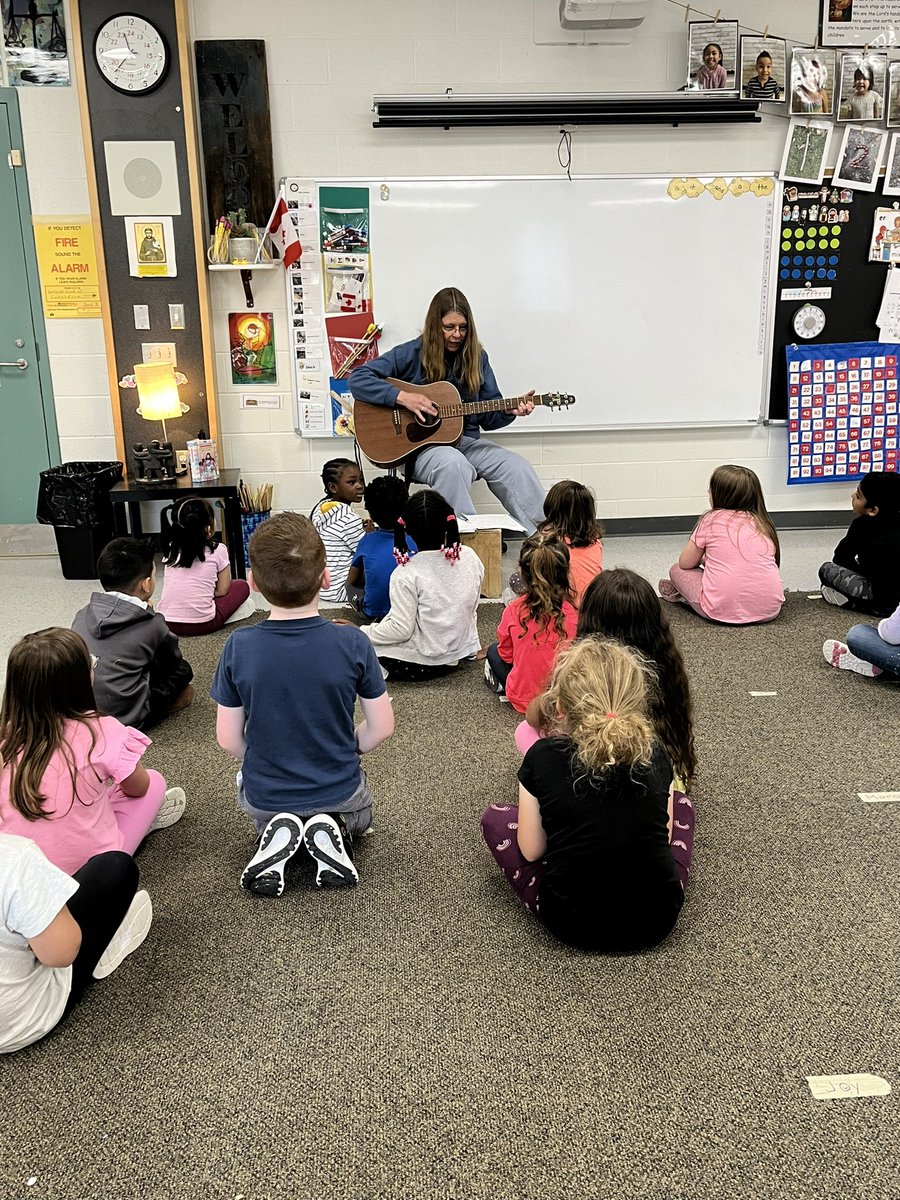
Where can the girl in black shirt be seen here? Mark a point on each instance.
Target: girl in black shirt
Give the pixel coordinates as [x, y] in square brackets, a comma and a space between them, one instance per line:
[587, 849]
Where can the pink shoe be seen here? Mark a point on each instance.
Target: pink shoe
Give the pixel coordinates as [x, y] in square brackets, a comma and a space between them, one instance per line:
[838, 654]
[668, 591]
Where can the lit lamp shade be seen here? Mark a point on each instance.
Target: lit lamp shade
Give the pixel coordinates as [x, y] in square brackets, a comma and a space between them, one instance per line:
[157, 391]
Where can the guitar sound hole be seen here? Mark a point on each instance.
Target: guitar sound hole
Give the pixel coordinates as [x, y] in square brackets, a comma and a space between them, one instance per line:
[421, 428]
[428, 420]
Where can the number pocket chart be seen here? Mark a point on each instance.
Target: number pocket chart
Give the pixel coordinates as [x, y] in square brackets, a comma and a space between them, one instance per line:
[842, 410]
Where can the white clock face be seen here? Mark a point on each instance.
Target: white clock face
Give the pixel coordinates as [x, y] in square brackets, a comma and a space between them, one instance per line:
[809, 321]
[131, 54]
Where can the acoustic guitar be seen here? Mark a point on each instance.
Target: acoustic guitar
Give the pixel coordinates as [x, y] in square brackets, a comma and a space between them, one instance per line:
[387, 436]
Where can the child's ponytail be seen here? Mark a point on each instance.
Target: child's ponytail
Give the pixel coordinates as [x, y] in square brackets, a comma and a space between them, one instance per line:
[451, 539]
[401, 546]
[598, 698]
[544, 568]
[432, 525]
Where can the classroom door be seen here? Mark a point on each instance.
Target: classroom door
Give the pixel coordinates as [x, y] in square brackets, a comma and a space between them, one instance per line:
[26, 442]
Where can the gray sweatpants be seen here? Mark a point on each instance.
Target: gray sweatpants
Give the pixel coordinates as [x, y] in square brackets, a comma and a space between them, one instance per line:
[451, 470]
[356, 811]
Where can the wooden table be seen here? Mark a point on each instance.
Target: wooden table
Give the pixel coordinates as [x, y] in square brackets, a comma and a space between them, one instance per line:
[131, 493]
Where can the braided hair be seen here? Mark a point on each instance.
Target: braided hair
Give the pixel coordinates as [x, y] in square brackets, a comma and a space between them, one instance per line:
[184, 532]
[432, 525]
[332, 472]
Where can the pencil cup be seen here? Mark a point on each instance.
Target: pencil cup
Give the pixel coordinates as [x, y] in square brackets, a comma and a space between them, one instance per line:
[249, 522]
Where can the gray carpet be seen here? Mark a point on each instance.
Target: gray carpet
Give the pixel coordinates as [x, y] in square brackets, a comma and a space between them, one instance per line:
[421, 1036]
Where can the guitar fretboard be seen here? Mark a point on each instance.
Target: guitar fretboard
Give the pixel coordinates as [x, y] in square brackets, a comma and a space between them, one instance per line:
[484, 406]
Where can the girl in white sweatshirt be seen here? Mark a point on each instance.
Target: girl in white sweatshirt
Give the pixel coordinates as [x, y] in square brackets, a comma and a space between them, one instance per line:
[434, 594]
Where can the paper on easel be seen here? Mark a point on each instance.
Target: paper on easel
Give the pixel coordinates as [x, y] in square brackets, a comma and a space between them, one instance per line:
[470, 522]
[888, 319]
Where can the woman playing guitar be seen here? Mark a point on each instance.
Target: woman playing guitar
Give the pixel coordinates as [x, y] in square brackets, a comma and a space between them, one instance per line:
[449, 350]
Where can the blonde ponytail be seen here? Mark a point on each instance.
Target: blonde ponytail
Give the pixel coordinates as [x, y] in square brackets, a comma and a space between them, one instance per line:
[597, 697]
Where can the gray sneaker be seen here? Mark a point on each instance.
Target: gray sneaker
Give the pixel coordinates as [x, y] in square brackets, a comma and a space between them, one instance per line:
[134, 928]
[832, 596]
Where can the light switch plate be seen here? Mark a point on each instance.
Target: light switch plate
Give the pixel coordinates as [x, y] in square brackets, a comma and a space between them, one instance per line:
[141, 316]
[176, 316]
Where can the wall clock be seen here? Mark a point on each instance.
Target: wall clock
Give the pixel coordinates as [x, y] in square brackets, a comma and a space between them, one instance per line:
[809, 321]
[131, 54]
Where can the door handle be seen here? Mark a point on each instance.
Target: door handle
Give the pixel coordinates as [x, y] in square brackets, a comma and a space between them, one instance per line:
[21, 363]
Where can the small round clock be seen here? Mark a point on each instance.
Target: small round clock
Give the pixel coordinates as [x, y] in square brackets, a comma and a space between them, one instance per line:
[809, 321]
[131, 54]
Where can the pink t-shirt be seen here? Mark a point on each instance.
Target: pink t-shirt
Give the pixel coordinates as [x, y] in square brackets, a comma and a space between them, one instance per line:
[74, 830]
[585, 563]
[741, 582]
[533, 655]
[188, 593]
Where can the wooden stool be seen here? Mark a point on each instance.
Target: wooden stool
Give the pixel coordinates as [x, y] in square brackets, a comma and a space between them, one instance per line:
[488, 545]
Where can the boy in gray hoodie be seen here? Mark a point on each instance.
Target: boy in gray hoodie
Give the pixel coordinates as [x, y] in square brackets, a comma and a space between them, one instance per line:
[141, 676]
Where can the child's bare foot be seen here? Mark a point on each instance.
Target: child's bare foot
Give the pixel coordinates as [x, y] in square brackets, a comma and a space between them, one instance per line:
[668, 591]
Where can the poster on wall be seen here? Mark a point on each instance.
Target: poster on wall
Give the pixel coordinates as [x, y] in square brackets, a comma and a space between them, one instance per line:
[251, 339]
[151, 247]
[34, 49]
[871, 23]
[67, 265]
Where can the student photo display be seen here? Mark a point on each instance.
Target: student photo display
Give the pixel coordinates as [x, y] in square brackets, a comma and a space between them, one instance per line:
[712, 55]
[862, 87]
[812, 81]
[763, 68]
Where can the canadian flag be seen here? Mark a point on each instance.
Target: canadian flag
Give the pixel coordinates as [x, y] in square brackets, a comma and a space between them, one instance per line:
[284, 234]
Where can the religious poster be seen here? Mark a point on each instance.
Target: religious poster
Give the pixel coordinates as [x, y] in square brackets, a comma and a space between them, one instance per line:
[34, 44]
[151, 246]
[67, 264]
[251, 338]
[871, 23]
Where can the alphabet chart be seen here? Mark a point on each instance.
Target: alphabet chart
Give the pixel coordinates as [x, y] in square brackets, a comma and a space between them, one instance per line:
[842, 410]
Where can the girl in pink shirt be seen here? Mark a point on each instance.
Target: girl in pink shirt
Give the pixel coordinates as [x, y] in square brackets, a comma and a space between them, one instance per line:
[71, 779]
[534, 625]
[198, 595]
[728, 571]
[571, 514]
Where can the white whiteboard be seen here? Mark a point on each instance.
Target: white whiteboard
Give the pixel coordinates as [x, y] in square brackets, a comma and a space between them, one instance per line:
[650, 311]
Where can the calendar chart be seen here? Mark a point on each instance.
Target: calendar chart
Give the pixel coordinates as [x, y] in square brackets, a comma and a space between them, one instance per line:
[842, 410]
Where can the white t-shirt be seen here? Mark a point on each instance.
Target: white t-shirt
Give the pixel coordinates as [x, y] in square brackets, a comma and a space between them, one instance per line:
[32, 892]
[433, 604]
[188, 593]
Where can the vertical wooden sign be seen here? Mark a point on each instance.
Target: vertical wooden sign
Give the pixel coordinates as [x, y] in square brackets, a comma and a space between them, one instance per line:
[233, 99]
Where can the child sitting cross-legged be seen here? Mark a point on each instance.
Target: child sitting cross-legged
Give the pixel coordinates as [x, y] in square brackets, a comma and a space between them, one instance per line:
[865, 573]
[374, 561]
[534, 625]
[198, 594]
[286, 689]
[140, 675]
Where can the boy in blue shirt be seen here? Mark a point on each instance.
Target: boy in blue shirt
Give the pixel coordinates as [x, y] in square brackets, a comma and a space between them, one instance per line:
[374, 562]
[286, 690]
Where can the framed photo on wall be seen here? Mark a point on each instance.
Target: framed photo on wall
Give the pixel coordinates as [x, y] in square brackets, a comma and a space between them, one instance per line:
[806, 151]
[763, 68]
[812, 75]
[860, 157]
[713, 55]
[861, 82]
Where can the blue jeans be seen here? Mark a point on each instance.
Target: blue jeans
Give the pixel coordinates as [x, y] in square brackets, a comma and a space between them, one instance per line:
[865, 642]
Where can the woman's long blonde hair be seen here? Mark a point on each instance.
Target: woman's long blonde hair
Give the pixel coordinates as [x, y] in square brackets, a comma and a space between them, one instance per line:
[597, 697]
[434, 360]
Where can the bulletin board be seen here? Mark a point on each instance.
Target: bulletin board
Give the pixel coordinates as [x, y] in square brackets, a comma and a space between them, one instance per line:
[644, 297]
[855, 289]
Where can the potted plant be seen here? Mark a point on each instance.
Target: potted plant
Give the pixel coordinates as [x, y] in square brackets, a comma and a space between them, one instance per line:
[243, 237]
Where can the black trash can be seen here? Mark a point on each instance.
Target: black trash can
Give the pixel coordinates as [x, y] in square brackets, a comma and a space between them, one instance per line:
[74, 499]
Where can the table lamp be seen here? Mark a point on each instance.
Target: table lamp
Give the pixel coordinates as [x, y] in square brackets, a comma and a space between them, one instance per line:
[157, 391]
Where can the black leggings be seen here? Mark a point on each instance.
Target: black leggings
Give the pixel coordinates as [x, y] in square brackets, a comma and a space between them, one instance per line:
[400, 671]
[107, 884]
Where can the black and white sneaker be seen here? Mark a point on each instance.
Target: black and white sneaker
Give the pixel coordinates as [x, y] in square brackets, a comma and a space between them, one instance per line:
[264, 873]
[324, 839]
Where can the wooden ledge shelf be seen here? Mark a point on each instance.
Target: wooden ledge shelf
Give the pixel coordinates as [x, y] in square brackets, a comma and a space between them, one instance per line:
[246, 270]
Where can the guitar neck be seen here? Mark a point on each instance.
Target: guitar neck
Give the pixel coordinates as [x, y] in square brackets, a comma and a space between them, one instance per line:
[486, 406]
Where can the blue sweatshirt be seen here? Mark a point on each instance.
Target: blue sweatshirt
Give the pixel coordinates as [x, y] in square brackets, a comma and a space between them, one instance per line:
[405, 362]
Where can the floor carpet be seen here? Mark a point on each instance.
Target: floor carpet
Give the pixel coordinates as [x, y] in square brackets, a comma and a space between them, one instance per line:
[421, 1036]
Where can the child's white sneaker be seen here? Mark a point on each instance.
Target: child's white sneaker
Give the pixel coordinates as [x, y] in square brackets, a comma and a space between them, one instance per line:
[838, 654]
[134, 928]
[264, 873]
[324, 839]
[171, 809]
[247, 609]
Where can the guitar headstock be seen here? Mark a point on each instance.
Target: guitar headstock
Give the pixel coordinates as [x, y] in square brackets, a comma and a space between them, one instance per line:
[555, 400]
